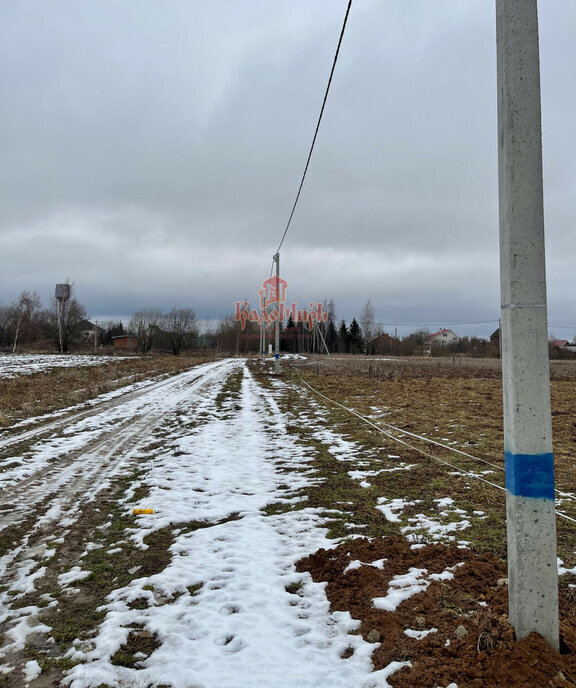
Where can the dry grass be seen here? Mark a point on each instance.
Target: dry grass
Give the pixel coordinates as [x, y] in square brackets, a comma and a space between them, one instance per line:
[458, 403]
[451, 367]
[33, 395]
[461, 401]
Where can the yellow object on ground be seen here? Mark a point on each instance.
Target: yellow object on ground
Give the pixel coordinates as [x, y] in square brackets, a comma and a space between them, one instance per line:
[142, 511]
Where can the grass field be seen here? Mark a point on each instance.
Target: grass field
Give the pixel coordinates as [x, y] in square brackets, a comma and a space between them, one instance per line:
[457, 403]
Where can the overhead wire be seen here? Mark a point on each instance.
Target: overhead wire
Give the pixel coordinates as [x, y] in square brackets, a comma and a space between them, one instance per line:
[317, 126]
[428, 324]
[288, 224]
[311, 146]
[417, 449]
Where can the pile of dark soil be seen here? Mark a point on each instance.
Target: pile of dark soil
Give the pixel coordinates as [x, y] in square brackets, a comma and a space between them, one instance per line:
[474, 644]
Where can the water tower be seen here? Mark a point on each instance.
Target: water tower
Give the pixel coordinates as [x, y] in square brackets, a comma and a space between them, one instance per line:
[62, 295]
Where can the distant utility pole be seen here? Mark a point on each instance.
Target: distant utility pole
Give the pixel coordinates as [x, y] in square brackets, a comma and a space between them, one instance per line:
[277, 326]
[531, 518]
[317, 328]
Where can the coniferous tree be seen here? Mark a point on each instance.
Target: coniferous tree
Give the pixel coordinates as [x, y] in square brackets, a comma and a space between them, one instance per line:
[290, 335]
[343, 339]
[355, 335]
[330, 332]
[110, 330]
[331, 337]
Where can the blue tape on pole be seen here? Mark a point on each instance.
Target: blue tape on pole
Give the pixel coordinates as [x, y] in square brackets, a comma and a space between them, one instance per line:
[530, 475]
[276, 355]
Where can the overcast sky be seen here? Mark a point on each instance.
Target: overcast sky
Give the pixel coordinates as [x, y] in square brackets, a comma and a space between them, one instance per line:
[151, 153]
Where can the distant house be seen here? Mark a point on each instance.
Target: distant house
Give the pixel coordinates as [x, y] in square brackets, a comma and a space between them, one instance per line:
[125, 342]
[382, 345]
[444, 338]
[563, 344]
[86, 330]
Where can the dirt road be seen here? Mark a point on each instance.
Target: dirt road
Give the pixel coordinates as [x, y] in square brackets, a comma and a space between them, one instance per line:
[208, 450]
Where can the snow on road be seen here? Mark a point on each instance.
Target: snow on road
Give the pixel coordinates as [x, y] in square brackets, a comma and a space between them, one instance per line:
[87, 450]
[242, 628]
[229, 609]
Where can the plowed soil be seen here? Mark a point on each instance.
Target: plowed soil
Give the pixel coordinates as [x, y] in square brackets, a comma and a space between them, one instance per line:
[475, 598]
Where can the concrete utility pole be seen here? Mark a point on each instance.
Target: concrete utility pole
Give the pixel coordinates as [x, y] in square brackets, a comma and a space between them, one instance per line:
[277, 327]
[531, 519]
[317, 327]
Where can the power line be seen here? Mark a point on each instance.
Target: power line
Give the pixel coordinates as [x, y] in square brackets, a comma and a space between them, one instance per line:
[435, 324]
[317, 125]
[395, 438]
[430, 324]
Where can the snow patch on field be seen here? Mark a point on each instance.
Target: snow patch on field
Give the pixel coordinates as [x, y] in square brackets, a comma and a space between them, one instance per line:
[404, 586]
[32, 671]
[356, 564]
[418, 635]
[391, 508]
[75, 574]
[12, 365]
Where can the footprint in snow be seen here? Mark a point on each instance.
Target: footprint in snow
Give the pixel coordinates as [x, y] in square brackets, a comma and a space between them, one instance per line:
[230, 609]
[230, 643]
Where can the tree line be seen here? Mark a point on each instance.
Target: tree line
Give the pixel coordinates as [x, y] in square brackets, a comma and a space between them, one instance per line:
[27, 325]
[362, 335]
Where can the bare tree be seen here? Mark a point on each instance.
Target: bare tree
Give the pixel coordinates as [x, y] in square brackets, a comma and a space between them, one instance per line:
[71, 319]
[144, 325]
[23, 312]
[5, 322]
[367, 324]
[233, 340]
[180, 326]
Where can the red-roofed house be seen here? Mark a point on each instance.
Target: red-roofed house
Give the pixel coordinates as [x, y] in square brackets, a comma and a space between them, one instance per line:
[444, 337]
[564, 344]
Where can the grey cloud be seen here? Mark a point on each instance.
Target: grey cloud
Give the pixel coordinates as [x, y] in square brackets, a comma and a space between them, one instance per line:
[157, 148]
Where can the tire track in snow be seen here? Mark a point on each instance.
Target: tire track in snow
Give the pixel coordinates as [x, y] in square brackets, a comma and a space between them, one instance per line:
[84, 461]
[98, 405]
[92, 445]
[242, 627]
